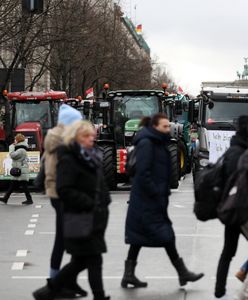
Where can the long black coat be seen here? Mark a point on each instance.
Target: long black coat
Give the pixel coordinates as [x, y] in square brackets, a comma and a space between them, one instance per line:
[147, 222]
[237, 147]
[76, 186]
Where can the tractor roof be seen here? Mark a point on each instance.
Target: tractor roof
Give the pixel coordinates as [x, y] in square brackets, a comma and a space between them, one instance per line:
[39, 96]
[135, 91]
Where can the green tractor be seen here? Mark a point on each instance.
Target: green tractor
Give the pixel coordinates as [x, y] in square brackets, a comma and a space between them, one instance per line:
[178, 109]
[117, 117]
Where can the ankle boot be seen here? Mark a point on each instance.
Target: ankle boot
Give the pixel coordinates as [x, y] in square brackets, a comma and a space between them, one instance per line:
[44, 293]
[129, 276]
[4, 200]
[184, 274]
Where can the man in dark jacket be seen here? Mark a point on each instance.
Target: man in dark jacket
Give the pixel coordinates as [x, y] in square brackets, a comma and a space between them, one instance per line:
[148, 223]
[239, 144]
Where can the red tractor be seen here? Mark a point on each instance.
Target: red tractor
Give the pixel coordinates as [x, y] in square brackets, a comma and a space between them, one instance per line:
[29, 113]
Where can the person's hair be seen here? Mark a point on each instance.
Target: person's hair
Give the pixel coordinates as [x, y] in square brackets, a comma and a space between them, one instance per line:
[242, 126]
[71, 131]
[152, 121]
[20, 138]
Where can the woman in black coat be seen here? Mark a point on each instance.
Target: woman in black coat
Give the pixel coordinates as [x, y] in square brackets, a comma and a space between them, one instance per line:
[148, 223]
[239, 144]
[80, 185]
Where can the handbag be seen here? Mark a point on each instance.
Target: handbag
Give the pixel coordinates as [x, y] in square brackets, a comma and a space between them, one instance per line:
[15, 172]
[81, 225]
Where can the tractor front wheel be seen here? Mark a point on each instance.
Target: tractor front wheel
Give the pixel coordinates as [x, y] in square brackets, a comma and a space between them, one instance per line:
[175, 166]
[109, 166]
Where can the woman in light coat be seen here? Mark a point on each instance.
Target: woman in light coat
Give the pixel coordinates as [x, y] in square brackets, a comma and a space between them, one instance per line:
[18, 154]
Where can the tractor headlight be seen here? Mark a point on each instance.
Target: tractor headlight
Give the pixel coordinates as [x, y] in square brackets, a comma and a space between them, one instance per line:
[129, 133]
[203, 162]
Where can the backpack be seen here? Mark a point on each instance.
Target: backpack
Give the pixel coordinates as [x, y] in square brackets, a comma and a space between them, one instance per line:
[208, 188]
[233, 208]
[131, 161]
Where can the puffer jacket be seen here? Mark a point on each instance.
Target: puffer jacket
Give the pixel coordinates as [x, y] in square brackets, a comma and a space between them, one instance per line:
[52, 141]
[18, 153]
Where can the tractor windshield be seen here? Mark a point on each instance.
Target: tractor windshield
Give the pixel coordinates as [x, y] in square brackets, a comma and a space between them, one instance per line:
[226, 112]
[34, 112]
[135, 106]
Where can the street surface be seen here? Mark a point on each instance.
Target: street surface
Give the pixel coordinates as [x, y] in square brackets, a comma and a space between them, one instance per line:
[27, 235]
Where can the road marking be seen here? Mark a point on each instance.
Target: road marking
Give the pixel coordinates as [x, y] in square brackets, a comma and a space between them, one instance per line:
[178, 206]
[199, 235]
[33, 220]
[31, 225]
[47, 232]
[29, 232]
[21, 253]
[35, 216]
[17, 266]
[38, 206]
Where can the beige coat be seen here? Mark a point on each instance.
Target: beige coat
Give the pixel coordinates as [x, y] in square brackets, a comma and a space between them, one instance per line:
[52, 141]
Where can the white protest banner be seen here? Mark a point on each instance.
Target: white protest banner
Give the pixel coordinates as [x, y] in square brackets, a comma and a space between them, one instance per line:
[219, 141]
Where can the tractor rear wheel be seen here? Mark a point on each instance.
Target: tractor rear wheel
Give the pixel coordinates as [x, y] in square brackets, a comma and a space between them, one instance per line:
[109, 166]
[175, 166]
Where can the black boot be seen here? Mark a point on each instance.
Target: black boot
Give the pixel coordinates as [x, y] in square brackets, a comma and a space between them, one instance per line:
[100, 296]
[76, 288]
[4, 200]
[44, 293]
[28, 201]
[184, 274]
[129, 276]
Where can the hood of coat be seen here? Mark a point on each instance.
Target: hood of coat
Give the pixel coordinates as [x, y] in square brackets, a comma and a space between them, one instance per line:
[152, 134]
[237, 140]
[22, 145]
[53, 138]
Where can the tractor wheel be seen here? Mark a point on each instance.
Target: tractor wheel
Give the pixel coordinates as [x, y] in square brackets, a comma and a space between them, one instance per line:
[109, 166]
[175, 166]
[183, 158]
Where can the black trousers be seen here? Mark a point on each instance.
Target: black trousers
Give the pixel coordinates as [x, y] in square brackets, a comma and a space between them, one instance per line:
[232, 234]
[58, 247]
[170, 248]
[92, 263]
[15, 185]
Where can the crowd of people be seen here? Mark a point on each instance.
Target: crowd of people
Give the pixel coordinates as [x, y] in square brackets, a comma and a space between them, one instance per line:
[74, 182]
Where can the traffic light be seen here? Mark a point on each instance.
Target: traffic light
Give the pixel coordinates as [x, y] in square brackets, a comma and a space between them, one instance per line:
[33, 6]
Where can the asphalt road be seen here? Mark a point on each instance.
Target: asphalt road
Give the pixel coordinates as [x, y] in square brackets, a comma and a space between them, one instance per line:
[27, 233]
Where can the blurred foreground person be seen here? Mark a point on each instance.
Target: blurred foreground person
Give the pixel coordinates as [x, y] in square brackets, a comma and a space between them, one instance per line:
[85, 198]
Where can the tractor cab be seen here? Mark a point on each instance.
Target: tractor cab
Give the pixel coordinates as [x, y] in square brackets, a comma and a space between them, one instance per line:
[33, 113]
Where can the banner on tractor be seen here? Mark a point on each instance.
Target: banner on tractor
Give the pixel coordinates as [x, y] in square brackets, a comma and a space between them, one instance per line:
[6, 164]
[89, 93]
[219, 142]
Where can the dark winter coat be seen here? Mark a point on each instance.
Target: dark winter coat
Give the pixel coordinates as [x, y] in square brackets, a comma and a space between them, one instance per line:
[76, 187]
[147, 222]
[237, 147]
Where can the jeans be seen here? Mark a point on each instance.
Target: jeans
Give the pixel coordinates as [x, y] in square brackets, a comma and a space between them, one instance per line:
[230, 247]
[93, 263]
[58, 247]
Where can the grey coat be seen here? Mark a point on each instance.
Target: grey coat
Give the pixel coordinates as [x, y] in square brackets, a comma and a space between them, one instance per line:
[18, 153]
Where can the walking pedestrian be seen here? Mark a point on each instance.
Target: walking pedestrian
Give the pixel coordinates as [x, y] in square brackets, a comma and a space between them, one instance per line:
[81, 188]
[67, 115]
[148, 223]
[239, 144]
[18, 154]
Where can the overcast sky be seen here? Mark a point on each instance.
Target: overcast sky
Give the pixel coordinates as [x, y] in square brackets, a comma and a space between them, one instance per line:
[196, 40]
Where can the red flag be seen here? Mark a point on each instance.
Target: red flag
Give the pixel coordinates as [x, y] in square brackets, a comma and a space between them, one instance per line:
[139, 29]
[180, 90]
[89, 93]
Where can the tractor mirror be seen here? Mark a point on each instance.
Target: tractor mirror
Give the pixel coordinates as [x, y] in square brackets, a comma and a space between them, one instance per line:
[211, 104]
[86, 108]
[178, 108]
